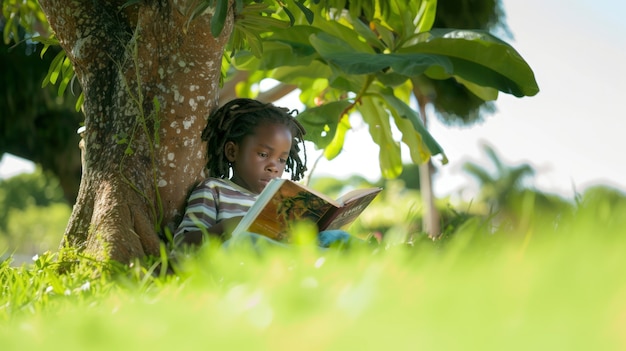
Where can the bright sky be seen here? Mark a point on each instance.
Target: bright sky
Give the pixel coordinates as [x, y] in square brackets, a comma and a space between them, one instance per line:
[571, 132]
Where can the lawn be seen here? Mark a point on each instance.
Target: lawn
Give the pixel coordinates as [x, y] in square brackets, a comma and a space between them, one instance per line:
[554, 286]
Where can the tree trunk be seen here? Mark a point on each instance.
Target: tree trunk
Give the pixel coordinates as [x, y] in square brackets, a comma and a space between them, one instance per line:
[149, 82]
[430, 222]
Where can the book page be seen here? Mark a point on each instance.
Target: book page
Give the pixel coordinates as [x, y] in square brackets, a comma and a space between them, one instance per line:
[281, 205]
[284, 202]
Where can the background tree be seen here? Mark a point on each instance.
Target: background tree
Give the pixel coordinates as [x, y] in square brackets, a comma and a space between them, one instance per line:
[454, 103]
[455, 100]
[36, 123]
[497, 186]
[150, 74]
[508, 196]
[28, 189]
[34, 213]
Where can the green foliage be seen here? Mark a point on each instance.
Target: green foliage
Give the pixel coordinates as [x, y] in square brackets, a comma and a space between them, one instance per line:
[482, 290]
[455, 103]
[250, 21]
[34, 229]
[25, 21]
[33, 115]
[368, 54]
[396, 214]
[411, 176]
[496, 188]
[218, 8]
[20, 14]
[469, 14]
[60, 68]
[36, 123]
[25, 190]
[38, 188]
[36, 213]
[367, 59]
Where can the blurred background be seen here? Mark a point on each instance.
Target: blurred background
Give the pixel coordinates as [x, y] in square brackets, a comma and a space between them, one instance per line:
[558, 146]
[570, 132]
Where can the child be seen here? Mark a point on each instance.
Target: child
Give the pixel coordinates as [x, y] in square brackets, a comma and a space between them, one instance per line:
[249, 143]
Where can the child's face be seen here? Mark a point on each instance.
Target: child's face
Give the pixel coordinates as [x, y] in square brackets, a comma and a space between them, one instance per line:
[260, 157]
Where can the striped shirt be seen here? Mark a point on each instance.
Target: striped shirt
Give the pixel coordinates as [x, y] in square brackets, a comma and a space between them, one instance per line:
[212, 201]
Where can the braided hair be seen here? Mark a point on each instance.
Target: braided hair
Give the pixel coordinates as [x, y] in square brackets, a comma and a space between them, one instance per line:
[239, 118]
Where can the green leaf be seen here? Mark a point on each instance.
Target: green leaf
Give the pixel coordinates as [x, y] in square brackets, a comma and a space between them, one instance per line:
[377, 118]
[80, 101]
[418, 151]
[67, 74]
[219, 17]
[369, 36]
[287, 47]
[254, 40]
[156, 116]
[426, 15]
[157, 105]
[292, 19]
[405, 111]
[387, 36]
[296, 74]
[238, 6]
[8, 31]
[44, 50]
[479, 57]
[485, 93]
[336, 51]
[51, 41]
[321, 122]
[54, 70]
[345, 36]
[336, 145]
[308, 14]
[203, 5]
[391, 79]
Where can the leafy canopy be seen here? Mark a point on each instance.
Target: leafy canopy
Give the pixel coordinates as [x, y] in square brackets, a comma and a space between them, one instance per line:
[362, 56]
[346, 57]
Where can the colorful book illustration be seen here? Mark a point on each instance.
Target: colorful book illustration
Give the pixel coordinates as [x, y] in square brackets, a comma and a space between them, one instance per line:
[284, 202]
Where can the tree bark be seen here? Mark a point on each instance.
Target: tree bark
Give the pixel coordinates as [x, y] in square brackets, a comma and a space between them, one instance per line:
[149, 80]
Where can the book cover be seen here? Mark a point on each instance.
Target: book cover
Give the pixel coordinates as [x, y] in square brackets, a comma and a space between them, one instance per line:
[284, 202]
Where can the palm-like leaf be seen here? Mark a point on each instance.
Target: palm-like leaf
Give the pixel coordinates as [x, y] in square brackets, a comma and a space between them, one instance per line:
[498, 186]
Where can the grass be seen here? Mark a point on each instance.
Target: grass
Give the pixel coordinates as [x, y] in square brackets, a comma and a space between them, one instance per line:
[555, 286]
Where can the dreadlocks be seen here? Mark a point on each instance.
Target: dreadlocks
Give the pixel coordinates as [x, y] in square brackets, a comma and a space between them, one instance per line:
[239, 118]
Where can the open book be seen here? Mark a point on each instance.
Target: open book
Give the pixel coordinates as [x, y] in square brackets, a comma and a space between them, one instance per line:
[284, 202]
